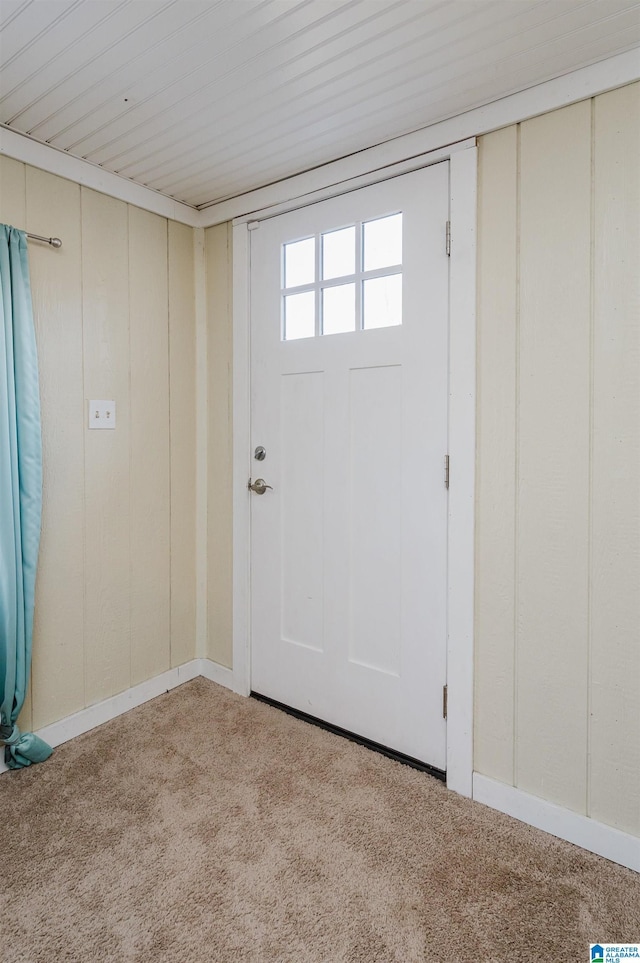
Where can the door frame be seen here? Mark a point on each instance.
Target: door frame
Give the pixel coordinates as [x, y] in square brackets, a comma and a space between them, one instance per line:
[462, 159]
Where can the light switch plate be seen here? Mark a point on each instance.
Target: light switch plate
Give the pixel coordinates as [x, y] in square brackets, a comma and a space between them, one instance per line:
[102, 414]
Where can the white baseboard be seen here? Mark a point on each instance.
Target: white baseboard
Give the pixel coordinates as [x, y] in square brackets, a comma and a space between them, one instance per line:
[217, 673]
[101, 712]
[581, 830]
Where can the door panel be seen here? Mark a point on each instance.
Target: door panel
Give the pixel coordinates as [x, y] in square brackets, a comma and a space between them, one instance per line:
[375, 479]
[349, 549]
[302, 423]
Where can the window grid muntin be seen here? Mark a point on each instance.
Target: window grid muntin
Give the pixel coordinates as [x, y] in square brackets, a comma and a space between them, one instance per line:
[319, 284]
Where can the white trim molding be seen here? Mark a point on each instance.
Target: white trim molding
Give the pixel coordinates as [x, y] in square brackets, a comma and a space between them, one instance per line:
[462, 448]
[215, 672]
[596, 837]
[24, 148]
[241, 445]
[362, 180]
[96, 715]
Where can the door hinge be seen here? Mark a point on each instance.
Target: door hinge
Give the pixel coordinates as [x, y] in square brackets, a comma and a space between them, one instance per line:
[444, 701]
[446, 471]
[448, 238]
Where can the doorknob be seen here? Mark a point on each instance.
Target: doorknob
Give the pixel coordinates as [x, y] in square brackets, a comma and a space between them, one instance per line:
[259, 486]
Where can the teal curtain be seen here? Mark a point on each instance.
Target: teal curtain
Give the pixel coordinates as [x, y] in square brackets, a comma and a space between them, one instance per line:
[20, 494]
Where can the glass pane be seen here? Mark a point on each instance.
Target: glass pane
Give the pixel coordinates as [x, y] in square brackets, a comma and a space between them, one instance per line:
[382, 301]
[300, 263]
[299, 316]
[339, 309]
[339, 253]
[382, 242]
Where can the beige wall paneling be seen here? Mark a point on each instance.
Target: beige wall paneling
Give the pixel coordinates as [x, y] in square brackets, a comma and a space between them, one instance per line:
[106, 368]
[13, 207]
[495, 467]
[615, 506]
[553, 456]
[13, 193]
[149, 440]
[106, 581]
[53, 208]
[220, 454]
[182, 366]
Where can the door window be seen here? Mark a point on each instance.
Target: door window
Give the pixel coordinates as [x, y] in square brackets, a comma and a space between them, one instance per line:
[343, 280]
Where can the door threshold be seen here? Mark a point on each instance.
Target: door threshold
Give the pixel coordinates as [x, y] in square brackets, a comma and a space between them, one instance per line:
[352, 737]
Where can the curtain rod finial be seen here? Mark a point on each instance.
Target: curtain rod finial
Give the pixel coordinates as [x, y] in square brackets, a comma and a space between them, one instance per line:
[55, 242]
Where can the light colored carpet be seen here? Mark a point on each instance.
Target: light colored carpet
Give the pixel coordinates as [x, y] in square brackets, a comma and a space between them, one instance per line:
[207, 828]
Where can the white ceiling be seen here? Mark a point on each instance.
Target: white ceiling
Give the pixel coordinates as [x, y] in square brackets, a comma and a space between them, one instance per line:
[207, 100]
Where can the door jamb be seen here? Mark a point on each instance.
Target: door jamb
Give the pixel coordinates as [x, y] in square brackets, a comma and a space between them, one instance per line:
[462, 414]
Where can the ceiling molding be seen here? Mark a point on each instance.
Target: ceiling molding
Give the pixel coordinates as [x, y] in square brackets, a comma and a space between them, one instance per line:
[364, 180]
[24, 148]
[578, 85]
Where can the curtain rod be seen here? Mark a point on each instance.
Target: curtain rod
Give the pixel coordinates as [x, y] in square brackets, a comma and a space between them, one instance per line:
[53, 241]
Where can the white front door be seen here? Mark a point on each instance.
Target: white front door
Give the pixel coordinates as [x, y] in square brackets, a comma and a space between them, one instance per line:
[349, 342]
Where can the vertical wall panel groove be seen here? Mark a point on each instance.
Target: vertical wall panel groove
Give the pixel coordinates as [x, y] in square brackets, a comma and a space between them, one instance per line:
[13, 211]
[84, 458]
[553, 428]
[219, 500]
[150, 459]
[107, 453]
[182, 365]
[53, 207]
[516, 454]
[615, 556]
[592, 105]
[495, 556]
